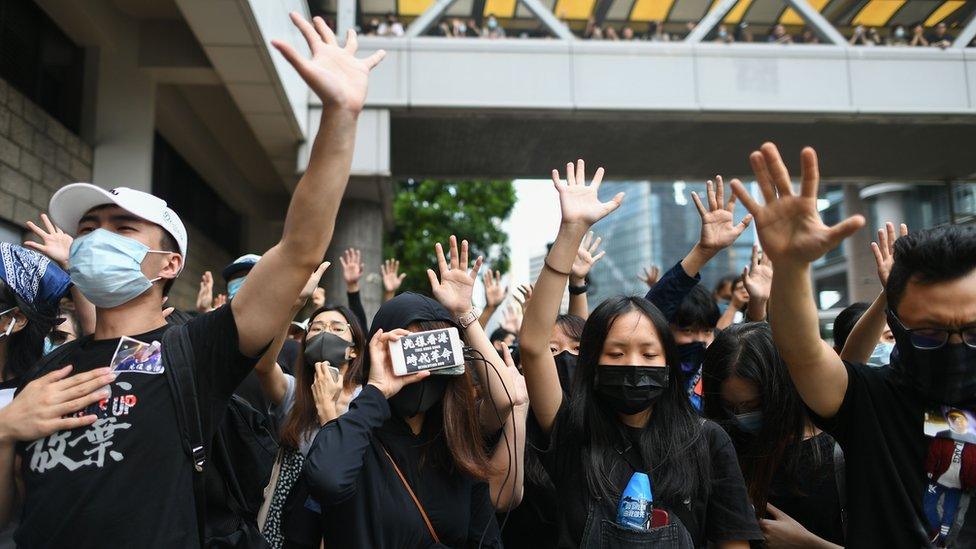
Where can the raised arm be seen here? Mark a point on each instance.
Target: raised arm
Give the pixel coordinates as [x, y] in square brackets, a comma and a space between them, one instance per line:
[758, 280]
[866, 333]
[508, 459]
[453, 290]
[270, 375]
[495, 294]
[580, 208]
[586, 258]
[352, 271]
[718, 231]
[793, 235]
[339, 79]
[56, 245]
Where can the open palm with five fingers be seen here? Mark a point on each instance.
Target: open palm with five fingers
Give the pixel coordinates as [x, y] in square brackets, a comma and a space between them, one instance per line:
[334, 73]
[391, 280]
[884, 249]
[456, 284]
[718, 230]
[758, 276]
[55, 243]
[586, 257]
[579, 202]
[789, 225]
[495, 292]
[352, 268]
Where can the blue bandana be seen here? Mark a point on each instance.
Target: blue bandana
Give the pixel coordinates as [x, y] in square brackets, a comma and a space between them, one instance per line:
[32, 276]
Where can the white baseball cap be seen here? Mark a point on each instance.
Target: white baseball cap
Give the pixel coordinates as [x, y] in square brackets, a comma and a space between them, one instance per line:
[73, 201]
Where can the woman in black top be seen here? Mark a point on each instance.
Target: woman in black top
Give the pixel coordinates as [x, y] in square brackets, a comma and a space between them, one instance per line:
[423, 427]
[627, 411]
[788, 463]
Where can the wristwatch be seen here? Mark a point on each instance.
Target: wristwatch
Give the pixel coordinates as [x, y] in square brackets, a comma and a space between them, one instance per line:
[469, 317]
[579, 290]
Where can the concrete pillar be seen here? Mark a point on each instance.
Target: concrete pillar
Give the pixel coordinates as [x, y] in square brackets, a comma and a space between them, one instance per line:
[862, 271]
[124, 124]
[359, 225]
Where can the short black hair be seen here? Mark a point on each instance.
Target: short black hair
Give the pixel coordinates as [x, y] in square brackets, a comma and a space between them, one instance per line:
[931, 256]
[572, 325]
[698, 309]
[500, 334]
[845, 322]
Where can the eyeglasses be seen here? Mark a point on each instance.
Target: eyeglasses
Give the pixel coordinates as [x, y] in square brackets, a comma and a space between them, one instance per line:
[927, 339]
[333, 326]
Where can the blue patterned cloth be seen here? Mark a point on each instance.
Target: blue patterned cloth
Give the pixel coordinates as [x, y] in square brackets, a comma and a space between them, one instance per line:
[32, 276]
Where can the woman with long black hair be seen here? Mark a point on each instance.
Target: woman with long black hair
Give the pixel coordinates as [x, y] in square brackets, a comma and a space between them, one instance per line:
[788, 464]
[407, 465]
[627, 411]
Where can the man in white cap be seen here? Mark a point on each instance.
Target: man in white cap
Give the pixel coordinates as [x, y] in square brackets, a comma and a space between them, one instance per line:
[118, 475]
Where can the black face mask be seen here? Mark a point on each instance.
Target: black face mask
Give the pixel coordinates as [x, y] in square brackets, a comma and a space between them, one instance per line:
[566, 369]
[630, 389]
[691, 355]
[419, 397]
[946, 375]
[326, 347]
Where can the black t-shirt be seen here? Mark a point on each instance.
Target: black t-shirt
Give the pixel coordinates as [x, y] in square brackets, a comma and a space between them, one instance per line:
[880, 428]
[363, 501]
[810, 497]
[126, 480]
[718, 512]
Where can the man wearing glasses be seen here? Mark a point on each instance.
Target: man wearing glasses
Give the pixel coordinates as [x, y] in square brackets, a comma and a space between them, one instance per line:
[875, 414]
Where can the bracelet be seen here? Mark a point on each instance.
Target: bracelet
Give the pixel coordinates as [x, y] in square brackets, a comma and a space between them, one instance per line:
[545, 263]
[468, 318]
[579, 290]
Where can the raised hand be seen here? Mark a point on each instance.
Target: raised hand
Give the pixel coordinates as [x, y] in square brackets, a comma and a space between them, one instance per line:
[312, 285]
[456, 283]
[520, 395]
[494, 291]
[884, 250]
[333, 73]
[45, 405]
[789, 226]
[578, 202]
[523, 300]
[205, 298]
[718, 231]
[381, 373]
[55, 243]
[758, 276]
[586, 257]
[220, 301]
[352, 268]
[512, 317]
[650, 276]
[391, 280]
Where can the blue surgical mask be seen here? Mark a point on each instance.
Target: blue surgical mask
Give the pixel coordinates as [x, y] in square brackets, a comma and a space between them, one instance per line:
[49, 346]
[107, 268]
[750, 422]
[881, 356]
[234, 285]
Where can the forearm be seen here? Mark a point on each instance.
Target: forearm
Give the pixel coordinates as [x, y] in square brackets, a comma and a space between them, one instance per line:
[326, 411]
[7, 490]
[578, 304]
[506, 484]
[756, 310]
[388, 295]
[492, 383]
[538, 366]
[356, 306]
[727, 318]
[867, 332]
[817, 372]
[486, 315]
[697, 258]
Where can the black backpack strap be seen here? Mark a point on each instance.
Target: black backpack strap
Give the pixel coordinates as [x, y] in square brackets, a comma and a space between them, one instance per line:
[178, 361]
[53, 360]
[840, 476]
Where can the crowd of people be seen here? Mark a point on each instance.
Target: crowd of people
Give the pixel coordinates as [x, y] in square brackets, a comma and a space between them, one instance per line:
[688, 417]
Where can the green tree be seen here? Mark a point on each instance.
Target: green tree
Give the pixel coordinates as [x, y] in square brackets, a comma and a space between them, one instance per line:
[426, 212]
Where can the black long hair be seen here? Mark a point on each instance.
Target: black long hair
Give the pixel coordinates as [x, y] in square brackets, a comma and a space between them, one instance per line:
[25, 347]
[671, 443]
[747, 351]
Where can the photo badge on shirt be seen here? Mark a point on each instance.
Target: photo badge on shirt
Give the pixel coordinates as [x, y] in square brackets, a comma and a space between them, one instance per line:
[137, 356]
[950, 467]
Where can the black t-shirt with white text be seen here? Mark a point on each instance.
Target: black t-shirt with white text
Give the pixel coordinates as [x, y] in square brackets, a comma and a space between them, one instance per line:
[125, 480]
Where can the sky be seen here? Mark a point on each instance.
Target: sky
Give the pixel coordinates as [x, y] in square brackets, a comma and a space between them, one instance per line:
[532, 225]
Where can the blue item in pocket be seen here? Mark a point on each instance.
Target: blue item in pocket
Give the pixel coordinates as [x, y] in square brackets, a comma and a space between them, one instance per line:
[313, 505]
[636, 503]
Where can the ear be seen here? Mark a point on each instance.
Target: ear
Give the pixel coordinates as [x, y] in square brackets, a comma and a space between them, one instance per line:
[352, 352]
[20, 321]
[171, 269]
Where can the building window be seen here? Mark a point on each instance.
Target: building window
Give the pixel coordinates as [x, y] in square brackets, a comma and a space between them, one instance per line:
[40, 61]
[176, 182]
